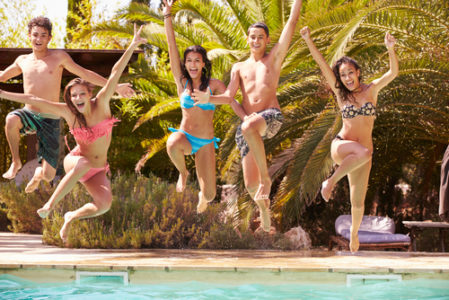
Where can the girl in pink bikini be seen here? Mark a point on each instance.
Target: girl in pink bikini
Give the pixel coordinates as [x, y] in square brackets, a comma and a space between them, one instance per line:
[90, 121]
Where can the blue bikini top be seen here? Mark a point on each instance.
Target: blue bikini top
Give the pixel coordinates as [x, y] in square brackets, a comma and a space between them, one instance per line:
[187, 101]
[350, 111]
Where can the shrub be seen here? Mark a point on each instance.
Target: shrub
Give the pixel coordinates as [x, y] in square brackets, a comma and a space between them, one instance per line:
[149, 213]
[21, 207]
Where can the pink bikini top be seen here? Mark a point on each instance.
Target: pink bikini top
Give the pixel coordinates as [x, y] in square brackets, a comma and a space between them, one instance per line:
[90, 135]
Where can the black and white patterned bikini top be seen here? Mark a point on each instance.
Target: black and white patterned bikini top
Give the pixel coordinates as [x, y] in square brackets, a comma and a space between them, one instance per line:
[350, 111]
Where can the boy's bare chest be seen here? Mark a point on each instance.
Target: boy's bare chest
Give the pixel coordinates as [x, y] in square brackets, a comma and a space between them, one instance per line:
[256, 72]
[40, 68]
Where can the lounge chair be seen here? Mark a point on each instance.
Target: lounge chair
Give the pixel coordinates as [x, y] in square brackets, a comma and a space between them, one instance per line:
[375, 233]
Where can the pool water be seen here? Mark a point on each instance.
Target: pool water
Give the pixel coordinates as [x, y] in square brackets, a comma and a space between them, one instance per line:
[12, 287]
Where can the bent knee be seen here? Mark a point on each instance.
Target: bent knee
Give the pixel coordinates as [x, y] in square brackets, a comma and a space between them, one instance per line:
[247, 127]
[174, 142]
[13, 122]
[105, 205]
[365, 154]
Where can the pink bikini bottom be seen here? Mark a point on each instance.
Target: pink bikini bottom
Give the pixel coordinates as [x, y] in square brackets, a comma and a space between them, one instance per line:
[93, 171]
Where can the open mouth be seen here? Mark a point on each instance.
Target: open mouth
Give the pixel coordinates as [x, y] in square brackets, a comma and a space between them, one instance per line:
[350, 84]
[80, 105]
[193, 71]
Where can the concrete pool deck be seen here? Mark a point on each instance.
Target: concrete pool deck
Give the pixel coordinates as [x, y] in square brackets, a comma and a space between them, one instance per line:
[21, 251]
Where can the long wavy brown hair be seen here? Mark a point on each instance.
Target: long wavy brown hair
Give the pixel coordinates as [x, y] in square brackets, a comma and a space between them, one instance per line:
[79, 117]
[345, 94]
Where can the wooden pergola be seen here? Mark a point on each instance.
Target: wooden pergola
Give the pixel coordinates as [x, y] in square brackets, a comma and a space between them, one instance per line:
[99, 61]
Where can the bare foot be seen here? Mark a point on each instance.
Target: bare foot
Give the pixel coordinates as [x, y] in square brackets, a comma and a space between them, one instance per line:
[12, 171]
[326, 190]
[44, 211]
[354, 244]
[264, 211]
[202, 203]
[263, 192]
[182, 181]
[32, 185]
[64, 232]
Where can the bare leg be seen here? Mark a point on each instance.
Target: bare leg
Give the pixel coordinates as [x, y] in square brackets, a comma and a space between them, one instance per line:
[358, 185]
[349, 155]
[205, 171]
[251, 177]
[253, 129]
[177, 147]
[76, 167]
[46, 173]
[99, 187]
[12, 131]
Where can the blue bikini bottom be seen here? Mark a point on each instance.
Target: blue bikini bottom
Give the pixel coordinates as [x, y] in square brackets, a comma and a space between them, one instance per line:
[195, 142]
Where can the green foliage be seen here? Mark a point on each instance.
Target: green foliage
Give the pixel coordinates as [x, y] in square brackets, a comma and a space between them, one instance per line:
[149, 213]
[14, 17]
[411, 127]
[21, 207]
[4, 221]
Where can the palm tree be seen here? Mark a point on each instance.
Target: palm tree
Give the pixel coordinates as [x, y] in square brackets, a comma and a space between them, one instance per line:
[413, 109]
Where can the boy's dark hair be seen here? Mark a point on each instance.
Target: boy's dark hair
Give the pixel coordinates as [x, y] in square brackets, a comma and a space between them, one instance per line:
[41, 22]
[260, 25]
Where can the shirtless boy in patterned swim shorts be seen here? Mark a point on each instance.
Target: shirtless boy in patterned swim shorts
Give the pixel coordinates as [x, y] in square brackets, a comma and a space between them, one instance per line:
[42, 73]
[257, 77]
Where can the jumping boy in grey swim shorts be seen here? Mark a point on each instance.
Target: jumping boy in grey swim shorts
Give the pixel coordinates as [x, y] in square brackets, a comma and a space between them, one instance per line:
[257, 77]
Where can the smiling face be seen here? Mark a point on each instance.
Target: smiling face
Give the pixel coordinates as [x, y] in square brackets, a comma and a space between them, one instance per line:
[39, 38]
[257, 39]
[194, 64]
[349, 76]
[80, 97]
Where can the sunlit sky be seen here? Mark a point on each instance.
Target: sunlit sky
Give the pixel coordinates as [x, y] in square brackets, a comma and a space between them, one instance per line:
[56, 10]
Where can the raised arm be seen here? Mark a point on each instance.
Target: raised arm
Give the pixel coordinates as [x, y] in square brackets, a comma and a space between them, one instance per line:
[381, 82]
[56, 108]
[105, 94]
[175, 60]
[123, 89]
[280, 49]
[11, 71]
[318, 57]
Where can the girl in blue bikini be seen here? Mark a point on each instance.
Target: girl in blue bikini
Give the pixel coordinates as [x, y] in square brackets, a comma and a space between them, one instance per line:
[352, 148]
[196, 132]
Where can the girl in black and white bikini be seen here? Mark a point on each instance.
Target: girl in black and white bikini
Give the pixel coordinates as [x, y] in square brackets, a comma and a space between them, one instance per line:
[353, 146]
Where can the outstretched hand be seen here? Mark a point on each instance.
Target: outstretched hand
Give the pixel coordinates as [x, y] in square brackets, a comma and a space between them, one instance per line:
[201, 97]
[125, 90]
[137, 39]
[305, 32]
[390, 41]
[167, 7]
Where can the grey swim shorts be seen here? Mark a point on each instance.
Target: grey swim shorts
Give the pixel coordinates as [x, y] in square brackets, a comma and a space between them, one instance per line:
[273, 117]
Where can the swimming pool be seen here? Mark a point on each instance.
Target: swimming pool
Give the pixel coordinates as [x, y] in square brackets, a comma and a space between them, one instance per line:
[159, 286]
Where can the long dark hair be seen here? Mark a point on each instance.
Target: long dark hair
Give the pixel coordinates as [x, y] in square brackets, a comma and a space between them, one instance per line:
[205, 72]
[345, 94]
[67, 99]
